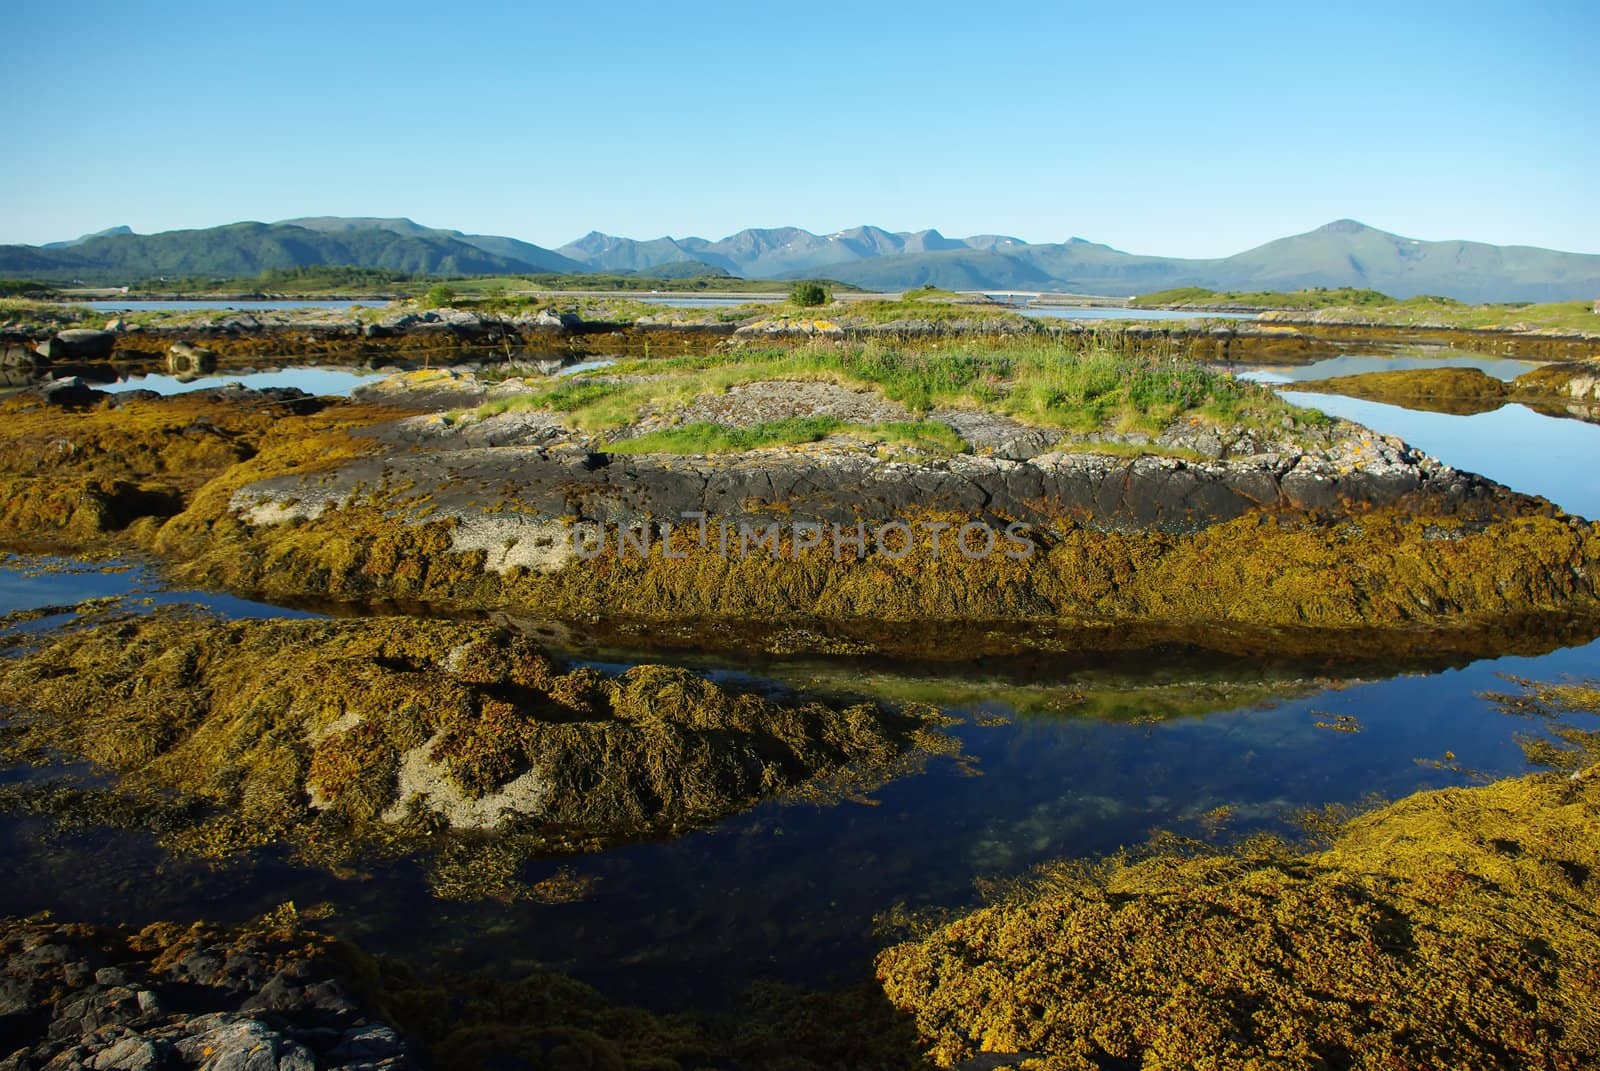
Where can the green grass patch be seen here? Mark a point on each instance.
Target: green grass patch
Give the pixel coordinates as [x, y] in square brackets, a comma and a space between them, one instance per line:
[1041, 382]
[927, 436]
[707, 438]
[941, 309]
[932, 293]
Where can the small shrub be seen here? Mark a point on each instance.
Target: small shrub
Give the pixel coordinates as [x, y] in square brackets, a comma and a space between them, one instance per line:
[438, 295]
[808, 295]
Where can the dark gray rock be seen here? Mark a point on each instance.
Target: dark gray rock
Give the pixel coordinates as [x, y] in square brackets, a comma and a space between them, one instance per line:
[14, 356]
[129, 1054]
[63, 1005]
[1096, 491]
[123, 397]
[71, 392]
[85, 344]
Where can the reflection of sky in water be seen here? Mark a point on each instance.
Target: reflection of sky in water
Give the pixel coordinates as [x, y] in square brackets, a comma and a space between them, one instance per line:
[585, 366]
[30, 583]
[115, 305]
[791, 891]
[1352, 365]
[310, 380]
[1069, 312]
[1514, 445]
[693, 301]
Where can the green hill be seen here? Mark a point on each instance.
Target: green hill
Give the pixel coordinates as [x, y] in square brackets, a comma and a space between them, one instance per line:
[1342, 254]
[247, 249]
[536, 257]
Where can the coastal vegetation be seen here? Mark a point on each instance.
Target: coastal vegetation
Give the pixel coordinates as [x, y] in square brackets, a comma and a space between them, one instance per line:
[1316, 298]
[1451, 928]
[704, 437]
[1039, 381]
[1352, 306]
[27, 288]
[808, 295]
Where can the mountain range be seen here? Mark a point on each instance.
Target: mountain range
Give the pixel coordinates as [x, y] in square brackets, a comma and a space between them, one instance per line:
[1342, 253]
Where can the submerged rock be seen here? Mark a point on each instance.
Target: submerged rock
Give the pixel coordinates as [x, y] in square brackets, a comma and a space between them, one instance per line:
[277, 994]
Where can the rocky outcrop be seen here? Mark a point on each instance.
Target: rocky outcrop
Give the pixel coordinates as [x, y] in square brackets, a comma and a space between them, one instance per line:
[264, 998]
[1323, 527]
[1102, 493]
[78, 344]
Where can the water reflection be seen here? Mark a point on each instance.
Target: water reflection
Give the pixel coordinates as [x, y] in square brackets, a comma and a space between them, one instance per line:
[1078, 765]
[1075, 312]
[1352, 364]
[320, 381]
[264, 305]
[1533, 453]
[1081, 762]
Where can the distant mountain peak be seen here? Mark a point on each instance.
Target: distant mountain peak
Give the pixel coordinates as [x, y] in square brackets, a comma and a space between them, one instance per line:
[1344, 226]
[109, 232]
[1345, 252]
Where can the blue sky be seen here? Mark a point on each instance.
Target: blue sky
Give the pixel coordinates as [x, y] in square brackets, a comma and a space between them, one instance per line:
[1159, 129]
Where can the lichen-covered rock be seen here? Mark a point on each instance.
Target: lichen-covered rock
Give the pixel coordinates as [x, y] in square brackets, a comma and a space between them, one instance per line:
[187, 359]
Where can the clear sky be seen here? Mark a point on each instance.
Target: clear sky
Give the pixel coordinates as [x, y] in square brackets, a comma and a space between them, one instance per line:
[1190, 130]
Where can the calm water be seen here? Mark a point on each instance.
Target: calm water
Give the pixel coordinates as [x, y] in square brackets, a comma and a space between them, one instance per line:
[340, 381]
[1067, 312]
[1359, 364]
[791, 891]
[1520, 448]
[693, 301]
[124, 305]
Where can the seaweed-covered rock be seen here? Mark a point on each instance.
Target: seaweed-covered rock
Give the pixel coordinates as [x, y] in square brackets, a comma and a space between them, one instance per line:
[1452, 929]
[391, 728]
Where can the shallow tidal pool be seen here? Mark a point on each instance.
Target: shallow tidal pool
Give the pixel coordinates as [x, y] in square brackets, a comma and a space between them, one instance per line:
[1077, 761]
